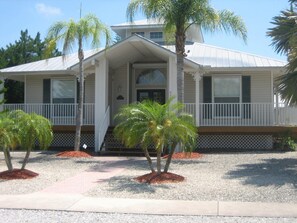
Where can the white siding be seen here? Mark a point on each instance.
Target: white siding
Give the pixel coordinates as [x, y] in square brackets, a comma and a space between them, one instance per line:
[261, 88]
[34, 89]
[90, 89]
[189, 89]
[119, 88]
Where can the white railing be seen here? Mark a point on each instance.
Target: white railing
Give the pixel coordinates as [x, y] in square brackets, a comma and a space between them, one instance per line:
[103, 128]
[243, 114]
[59, 114]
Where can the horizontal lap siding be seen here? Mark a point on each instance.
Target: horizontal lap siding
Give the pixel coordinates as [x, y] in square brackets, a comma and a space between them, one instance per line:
[90, 89]
[34, 89]
[189, 89]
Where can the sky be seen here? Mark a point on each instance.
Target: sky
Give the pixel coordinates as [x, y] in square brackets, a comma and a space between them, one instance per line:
[39, 15]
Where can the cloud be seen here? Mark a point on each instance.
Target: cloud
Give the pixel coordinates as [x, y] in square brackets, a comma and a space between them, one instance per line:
[47, 10]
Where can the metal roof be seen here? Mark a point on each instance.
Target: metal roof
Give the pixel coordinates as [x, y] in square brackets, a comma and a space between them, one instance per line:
[198, 53]
[48, 65]
[143, 22]
[207, 55]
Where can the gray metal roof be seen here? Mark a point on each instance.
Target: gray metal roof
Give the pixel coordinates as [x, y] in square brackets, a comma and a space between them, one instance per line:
[48, 65]
[199, 53]
[207, 55]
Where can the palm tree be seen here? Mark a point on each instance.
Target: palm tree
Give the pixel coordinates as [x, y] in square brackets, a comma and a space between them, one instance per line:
[179, 15]
[18, 128]
[75, 33]
[151, 124]
[284, 40]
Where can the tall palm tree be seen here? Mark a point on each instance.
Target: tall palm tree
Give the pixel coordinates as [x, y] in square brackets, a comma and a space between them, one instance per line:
[179, 15]
[284, 39]
[74, 34]
[151, 124]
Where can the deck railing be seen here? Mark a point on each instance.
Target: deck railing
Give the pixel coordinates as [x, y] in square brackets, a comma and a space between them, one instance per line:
[243, 114]
[59, 114]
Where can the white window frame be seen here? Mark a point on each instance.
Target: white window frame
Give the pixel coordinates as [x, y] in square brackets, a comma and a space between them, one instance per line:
[157, 39]
[213, 96]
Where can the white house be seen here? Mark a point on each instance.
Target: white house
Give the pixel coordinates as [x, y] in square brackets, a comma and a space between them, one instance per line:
[230, 93]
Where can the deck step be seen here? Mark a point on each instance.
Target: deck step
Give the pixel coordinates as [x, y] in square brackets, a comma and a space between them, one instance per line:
[113, 147]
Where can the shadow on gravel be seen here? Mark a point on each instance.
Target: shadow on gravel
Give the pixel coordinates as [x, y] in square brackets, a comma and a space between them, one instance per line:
[272, 172]
[127, 184]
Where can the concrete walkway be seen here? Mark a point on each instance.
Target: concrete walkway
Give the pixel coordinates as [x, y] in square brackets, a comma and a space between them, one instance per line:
[77, 202]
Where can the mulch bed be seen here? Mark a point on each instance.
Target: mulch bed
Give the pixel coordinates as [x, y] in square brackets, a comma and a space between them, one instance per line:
[155, 178]
[17, 174]
[76, 154]
[185, 155]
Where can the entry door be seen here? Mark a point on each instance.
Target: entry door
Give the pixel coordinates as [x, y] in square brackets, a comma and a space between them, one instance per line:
[157, 95]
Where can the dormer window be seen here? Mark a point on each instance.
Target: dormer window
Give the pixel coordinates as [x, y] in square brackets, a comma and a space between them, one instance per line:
[156, 35]
[138, 33]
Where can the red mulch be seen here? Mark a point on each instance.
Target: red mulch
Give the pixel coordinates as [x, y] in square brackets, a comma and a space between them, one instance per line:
[185, 155]
[74, 154]
[155, 178]
[17, 174]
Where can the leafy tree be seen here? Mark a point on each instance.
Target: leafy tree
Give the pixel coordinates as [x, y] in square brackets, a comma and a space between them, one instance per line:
[150, 123]
[18, 128]
[74, 33]
[26, 49]
[284, 40]
[179, 15]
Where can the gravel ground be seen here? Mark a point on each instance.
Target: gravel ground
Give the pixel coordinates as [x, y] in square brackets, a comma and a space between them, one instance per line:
[254, 177]
[22, 216]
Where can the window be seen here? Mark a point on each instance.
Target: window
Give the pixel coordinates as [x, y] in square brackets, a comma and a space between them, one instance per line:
[156, 35]
[151, 77]
[138, 33]
[226, 96]
[63, 91]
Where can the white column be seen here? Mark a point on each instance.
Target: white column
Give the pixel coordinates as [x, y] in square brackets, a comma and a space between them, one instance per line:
[172, 78]
[101, 95]
[272, 98]
[197, 78]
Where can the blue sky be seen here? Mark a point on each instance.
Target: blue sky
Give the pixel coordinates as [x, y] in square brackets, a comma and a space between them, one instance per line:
[38, 15]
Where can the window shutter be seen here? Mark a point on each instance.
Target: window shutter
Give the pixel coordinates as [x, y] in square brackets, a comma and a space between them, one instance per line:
[46, 91]
[77, 91]
[207, 97]
[246, 96]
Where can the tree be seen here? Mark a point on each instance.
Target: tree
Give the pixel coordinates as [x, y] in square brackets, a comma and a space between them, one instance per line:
[150, 123]
[284, 40]
[72, 33]
[26, 49]
[179, 15]
[18, 128]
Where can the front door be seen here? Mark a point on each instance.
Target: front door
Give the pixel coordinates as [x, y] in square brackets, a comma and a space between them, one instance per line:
[157, 95]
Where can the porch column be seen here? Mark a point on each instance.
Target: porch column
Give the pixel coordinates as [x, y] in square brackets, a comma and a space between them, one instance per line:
[172, 78]
[101, 95]
[197, 78]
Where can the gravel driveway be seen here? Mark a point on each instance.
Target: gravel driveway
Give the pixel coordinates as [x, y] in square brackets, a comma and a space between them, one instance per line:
[255, 177]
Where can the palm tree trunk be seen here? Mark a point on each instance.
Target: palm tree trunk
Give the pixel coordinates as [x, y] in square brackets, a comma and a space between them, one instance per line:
[79, 115]
[180, 50]
[168, 161]
[25, 161]
[7, 159]
[159, 161]
[149, 160]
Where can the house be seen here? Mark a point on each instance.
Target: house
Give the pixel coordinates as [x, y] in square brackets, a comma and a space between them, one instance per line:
[230, 93]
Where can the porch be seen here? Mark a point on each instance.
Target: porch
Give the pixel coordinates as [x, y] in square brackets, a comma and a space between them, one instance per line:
[209, 114]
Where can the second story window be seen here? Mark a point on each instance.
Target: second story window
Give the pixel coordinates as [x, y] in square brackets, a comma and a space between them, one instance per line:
[156, 35]
[138, 33]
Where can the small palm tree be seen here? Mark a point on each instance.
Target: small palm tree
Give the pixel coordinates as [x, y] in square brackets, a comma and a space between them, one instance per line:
[284, 40]
[75, 33]
[150, 123]
[18, 127]
[8, 137]
[179, 15]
